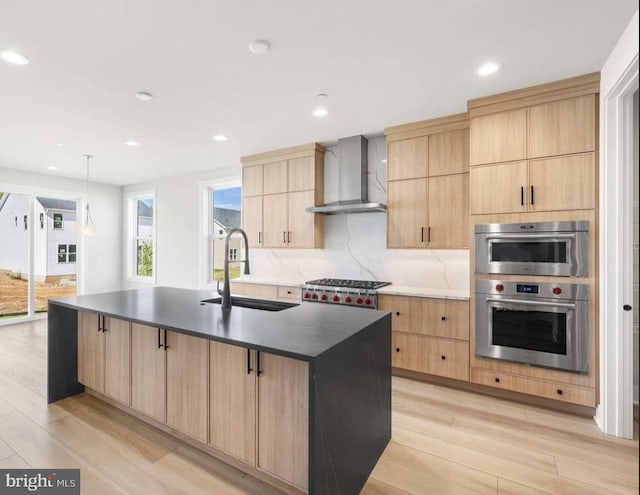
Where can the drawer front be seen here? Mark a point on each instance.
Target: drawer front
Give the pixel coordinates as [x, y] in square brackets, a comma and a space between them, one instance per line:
[435, 317]
[551, 390]
[254, 290]
[442, 357]
[285, 292]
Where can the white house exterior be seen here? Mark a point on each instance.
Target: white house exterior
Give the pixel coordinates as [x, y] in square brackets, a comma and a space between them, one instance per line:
[225, 218]
[55, 236]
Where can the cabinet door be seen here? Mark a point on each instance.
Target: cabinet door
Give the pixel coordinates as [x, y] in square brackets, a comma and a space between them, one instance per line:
[407, 213]
[117, 383]
[254, 290]
[274, 220]
[302, 224]
[449, 153]
[283, 418]
[301, 175]
[252, 180]
[274, 177]
[448, 211]
[232, 419]
[407, 159]
[563, 127]
[498, 188]
[442, 357]
[90, 351]
[562, 183]
[252, 219]
[187, 384]
[148, 370]
[498, 137]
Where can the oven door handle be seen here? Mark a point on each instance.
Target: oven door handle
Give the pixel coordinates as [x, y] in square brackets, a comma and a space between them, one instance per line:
[532, 303]
[559, 235]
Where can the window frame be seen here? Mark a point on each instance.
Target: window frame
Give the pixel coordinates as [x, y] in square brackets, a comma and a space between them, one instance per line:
[67, 253]
[133, 238]
[53, 221]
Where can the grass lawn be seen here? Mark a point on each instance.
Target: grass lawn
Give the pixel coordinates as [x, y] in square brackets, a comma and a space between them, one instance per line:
[234, 272]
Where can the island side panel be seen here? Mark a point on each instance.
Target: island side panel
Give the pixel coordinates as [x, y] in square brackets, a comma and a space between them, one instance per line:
[62, 353]
[351, 404]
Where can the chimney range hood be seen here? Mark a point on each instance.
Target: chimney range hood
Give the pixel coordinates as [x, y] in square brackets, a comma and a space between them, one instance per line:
[352, 181]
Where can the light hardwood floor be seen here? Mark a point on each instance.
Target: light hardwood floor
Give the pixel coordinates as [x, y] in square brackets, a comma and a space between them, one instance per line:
[444, 442]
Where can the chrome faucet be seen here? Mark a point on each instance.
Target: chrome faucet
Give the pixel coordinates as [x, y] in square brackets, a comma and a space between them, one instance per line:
[226, 290]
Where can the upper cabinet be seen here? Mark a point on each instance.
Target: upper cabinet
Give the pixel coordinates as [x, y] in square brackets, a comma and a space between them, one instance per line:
[534, 149]
[428, 184]
[277, 188]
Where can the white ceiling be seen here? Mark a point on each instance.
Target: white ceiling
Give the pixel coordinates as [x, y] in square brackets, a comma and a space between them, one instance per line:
[382, 63]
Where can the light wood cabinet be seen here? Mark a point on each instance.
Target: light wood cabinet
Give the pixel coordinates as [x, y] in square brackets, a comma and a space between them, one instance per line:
[187, 384]
[117, 361]
[498, 137]
[428, 184]
[574, 394]
[288, 292]
[90, 351]
[252, 220]
[104, 357]
[148, 371]
[407, 159]
[562, 127]
[498, 188]
[232, 406]
[449, 153]
[432, 355]
[283, 418]
[427, 316]
[255, 290]
[291, 181]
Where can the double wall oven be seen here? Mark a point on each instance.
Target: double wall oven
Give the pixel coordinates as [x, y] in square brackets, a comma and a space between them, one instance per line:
[539, 323]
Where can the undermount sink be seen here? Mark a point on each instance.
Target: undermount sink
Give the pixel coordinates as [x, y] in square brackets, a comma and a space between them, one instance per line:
[247, 302]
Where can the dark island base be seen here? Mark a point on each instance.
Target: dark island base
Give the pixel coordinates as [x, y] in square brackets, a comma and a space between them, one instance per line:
[349, 399]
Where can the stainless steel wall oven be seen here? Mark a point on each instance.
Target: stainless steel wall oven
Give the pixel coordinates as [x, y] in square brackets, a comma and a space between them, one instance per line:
[542, 324]
[548, 248]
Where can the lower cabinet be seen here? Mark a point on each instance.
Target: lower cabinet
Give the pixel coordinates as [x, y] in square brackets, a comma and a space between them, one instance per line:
[104, 355]
[148, 371]
[433, 355]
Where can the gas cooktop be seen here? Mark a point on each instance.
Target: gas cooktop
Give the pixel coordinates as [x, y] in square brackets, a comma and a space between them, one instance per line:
[339, 291]
[348, 284]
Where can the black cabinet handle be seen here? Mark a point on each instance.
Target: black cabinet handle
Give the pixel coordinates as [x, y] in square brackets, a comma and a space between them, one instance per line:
[249, 368]
[559, 391]
[443, 318]
[284, 237]
[159, 340]
[421, 234]
[521, 195]
[497, 380]
[397, 313]
[627, 307]
[288, 292]
[259, 371]
[443, 357]
[165, 340]
[259, 237]
[99, 323]
[397, 349]
[533, 201]
[288, 237]
[104, 323]
[428, 234]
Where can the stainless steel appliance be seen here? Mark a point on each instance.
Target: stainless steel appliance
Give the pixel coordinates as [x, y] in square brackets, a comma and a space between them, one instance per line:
[542, 324]
[361, 293]
[548, 248]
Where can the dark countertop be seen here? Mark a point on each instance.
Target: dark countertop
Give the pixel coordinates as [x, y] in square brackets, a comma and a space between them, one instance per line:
[302, 332]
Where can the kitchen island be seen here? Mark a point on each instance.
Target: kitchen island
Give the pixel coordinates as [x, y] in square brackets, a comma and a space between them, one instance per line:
[300, 397]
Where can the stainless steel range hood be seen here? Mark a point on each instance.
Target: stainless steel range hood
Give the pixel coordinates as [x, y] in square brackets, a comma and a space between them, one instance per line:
[352, 181]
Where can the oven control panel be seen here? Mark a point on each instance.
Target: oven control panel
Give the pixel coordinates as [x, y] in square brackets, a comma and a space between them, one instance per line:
[550, 290]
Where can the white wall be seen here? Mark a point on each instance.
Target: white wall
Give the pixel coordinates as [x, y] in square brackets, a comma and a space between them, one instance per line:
[101, 264]
[354, 243]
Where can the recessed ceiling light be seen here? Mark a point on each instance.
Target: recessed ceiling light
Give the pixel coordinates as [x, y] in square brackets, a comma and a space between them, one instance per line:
[384, 160]
[488, 68]
[221, 138]
[59, 143]
[52, 167]
[14, 58]
[144, 96]
[131, 142]
[259, 47]
[320, 112]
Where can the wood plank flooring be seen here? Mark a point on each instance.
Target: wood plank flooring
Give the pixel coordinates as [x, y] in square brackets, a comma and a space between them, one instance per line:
[444, 442]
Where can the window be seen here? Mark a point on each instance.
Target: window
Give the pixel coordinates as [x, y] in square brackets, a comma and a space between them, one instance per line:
[57, 221]
[41, 221]
[142, 237]
[26, 224]
[66, 253]
[223, 212]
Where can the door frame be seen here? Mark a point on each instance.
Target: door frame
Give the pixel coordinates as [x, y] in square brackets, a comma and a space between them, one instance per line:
[619, 81]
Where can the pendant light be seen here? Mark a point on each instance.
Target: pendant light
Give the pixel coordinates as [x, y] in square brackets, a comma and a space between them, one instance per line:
[88, 228]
